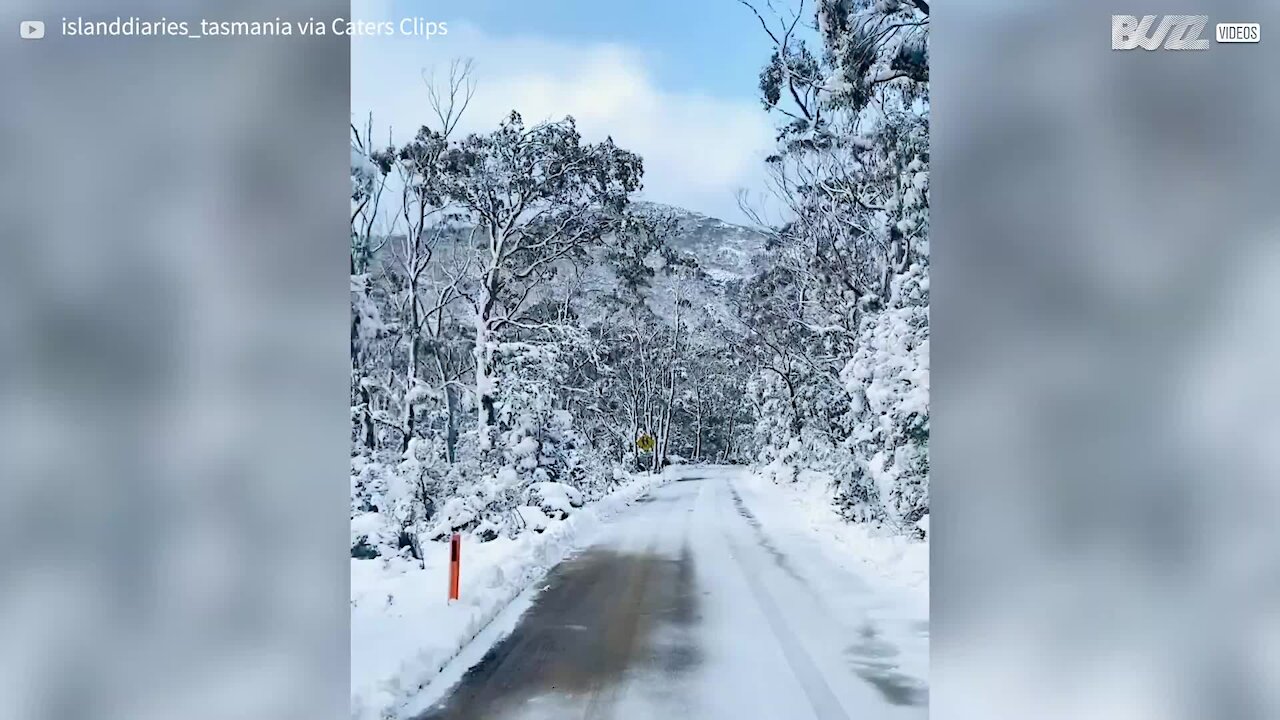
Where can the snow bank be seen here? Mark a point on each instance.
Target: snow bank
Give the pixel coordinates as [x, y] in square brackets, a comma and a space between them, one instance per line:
[403, 630]
[875, 581]
[898, 565]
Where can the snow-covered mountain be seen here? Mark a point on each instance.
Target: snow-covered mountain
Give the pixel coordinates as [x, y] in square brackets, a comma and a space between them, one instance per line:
[724, 251]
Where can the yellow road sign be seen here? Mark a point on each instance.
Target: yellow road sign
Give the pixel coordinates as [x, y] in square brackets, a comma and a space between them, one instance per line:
[646, 442]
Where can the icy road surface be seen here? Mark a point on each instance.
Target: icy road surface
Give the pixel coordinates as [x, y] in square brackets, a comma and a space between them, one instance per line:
[688, 607]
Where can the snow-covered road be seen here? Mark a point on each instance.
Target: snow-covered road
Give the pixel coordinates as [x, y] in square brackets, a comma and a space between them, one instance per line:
[699, 603]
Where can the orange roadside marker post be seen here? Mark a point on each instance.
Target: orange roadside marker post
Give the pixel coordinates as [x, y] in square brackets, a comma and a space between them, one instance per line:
[455, 564]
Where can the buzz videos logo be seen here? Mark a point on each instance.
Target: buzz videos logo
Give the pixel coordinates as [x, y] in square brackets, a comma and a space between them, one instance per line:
[1175, 32]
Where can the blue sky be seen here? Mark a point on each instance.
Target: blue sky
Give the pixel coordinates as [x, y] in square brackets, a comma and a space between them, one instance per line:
[711, 46]
[673, 81]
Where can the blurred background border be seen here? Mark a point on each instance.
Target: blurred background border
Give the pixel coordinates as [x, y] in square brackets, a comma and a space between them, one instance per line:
[173, 368]
[1104, 314]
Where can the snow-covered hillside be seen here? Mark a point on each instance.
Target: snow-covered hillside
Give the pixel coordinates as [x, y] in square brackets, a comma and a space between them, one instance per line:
[723, 250]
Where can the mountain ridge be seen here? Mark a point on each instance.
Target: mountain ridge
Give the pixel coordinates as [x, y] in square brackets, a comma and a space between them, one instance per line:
[724, 250]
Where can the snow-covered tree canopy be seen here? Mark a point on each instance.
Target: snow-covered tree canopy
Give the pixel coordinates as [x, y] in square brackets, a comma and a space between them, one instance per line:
[838, 319]
[524, 333]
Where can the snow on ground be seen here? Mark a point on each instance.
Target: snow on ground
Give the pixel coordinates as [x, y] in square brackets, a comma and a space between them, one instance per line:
[404, 630]
[848, 596]
[799, 519]
[724, 597]
[807, 505]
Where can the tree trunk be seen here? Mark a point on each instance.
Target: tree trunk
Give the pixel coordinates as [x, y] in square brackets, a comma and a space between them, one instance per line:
[451, 429]
[451, 402]
[484, 386]
[370, 432]
[411, 367]
[666, 427]
[484, 353]
[635, 431]
[697, 440]
[728, 443]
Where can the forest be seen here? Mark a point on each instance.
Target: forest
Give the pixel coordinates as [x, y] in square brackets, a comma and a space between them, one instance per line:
[527, 334]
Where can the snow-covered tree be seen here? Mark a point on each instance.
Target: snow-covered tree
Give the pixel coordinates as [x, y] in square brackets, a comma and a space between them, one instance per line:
[540, 198]
[838, 321]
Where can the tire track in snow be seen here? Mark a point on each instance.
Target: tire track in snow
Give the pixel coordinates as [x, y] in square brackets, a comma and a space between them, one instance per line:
[871, 657]
[825, 704]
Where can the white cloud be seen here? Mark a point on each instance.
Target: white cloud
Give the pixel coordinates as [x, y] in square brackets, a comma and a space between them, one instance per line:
[698, 150]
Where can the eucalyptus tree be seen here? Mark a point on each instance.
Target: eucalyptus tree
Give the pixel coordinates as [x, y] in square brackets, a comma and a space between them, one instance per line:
[540, 198]
[839, 321]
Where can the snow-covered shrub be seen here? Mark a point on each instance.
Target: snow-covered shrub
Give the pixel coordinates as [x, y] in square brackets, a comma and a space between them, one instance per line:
[373, 532]
[888, 379]
[555, 499]
[534, 518]
[421, 480]
[539, 459]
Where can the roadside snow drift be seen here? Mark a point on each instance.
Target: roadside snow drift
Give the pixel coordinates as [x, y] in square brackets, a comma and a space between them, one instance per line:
[403, 629]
